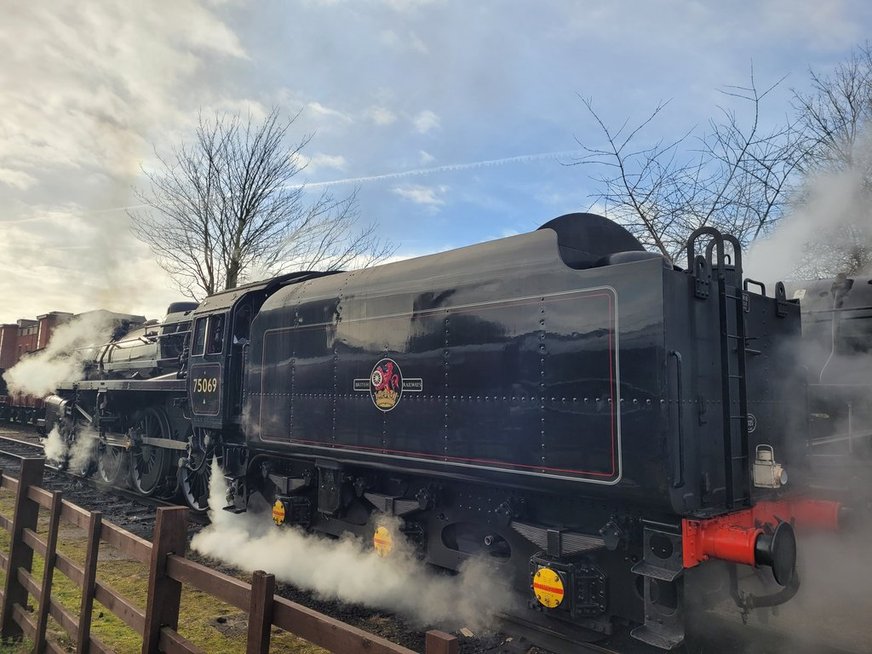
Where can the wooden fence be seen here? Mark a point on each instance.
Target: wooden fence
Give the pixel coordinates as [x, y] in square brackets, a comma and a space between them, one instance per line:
[168, 570]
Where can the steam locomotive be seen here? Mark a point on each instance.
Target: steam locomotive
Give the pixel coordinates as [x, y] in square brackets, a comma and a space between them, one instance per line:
[596, 421]
[837, 339]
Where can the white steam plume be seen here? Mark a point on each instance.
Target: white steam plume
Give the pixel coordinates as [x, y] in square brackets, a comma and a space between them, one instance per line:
[833, 201]
[62, 359]
[830, 224]
[77, 454]
[82, 450]
[349, 570]
[55, 446]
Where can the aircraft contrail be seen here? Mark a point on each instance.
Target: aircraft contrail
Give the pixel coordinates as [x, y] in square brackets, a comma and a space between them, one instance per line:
[521, 158]
[415, 172]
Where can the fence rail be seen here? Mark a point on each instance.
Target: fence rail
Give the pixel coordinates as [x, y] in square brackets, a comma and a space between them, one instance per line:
[168, 571]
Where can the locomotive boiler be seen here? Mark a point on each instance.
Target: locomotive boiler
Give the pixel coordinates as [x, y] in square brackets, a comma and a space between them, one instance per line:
[129, 407]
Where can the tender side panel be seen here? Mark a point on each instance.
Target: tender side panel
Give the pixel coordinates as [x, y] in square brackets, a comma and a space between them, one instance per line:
[503, 384]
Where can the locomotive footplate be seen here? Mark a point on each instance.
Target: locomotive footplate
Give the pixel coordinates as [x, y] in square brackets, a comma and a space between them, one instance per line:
[578, 588]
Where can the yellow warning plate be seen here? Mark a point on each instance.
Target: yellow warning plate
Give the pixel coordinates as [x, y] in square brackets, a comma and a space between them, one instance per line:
[382, 541]
[548, 588]
[278, 512]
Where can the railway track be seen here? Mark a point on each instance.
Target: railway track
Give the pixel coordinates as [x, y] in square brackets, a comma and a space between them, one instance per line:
[11, 443]
[720, 635]
[549, 640]
[724, 635]
[516, 636]
[14, 446]
[715, 633]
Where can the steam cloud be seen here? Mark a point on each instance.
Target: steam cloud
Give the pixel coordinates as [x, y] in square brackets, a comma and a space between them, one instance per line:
[349, 570]
[62, 359]
[77, 455]
[832, 214]
[55, 446]
[834, 217]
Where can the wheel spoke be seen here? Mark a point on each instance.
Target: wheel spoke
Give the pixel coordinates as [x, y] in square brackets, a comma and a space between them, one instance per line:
[151, 465]
[111, 464]
[194, 477]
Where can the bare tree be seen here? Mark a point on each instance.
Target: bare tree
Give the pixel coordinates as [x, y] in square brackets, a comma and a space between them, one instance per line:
[837, 115]
[734, 176]
[842, 249]
[229, 202]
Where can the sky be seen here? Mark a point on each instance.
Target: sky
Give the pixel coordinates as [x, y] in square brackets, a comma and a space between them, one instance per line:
[457, 122]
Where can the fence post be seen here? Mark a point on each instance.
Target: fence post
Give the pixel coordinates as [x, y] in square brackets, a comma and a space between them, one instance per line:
[164, 593]
[51, 545]
[439, 642]
[260, 611]
[83, 640]
[20, 554]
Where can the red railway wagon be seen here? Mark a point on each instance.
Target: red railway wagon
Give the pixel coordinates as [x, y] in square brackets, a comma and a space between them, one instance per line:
[17, 340]
[25, 337]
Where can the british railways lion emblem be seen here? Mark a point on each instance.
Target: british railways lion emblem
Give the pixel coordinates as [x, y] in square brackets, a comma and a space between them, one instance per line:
[386, 384]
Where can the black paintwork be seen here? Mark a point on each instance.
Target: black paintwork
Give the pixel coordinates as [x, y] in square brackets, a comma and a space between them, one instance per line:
[529, 369]
[562, 380]
[551, 378]
[519, 364]
[235, 308]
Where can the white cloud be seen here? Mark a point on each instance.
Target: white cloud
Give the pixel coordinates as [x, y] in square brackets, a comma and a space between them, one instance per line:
[425, 157]
[68, 260]
[417, 44]
[408, 41]
[426, 195]
[407, 5]
[321, 111]
[825, 23]
[17, 179]
[87, 88]
[86, 84]
[381, 115]
[425, 121]
[321, 160]
[244, 107]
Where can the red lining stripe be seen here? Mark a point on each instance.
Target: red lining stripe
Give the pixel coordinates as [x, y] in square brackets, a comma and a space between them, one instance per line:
[502, 464]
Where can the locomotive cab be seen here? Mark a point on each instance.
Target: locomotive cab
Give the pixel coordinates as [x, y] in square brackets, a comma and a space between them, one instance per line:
[206, 363]
[213, 370]
[215, 373]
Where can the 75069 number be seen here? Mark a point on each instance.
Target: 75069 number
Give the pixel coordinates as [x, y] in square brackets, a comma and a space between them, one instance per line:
[205, 385]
